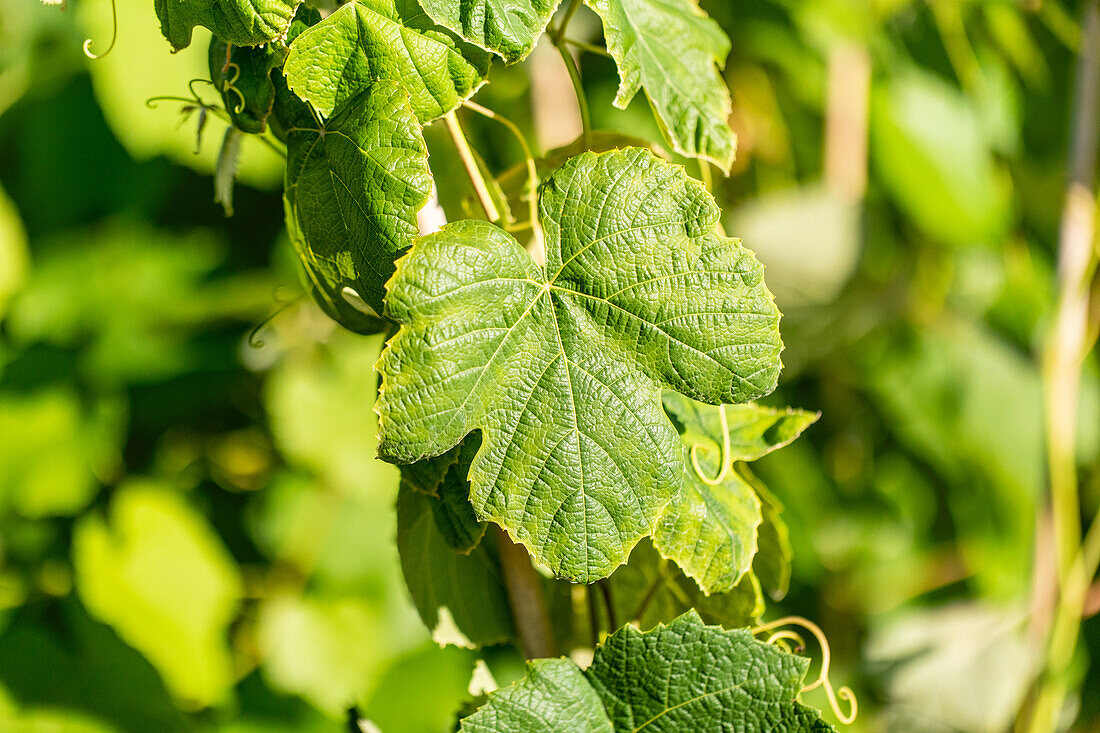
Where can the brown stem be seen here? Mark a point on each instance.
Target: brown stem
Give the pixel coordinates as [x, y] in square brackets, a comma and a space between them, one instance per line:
[525, 598]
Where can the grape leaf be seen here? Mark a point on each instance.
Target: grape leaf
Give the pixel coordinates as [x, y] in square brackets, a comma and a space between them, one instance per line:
[353, 187]
[710, 529]
[454, 515]
[561, 367]
[242, 74]
[384, 39]
[669, 48]
[681, 677]
[460, 597]
[509, 28]
[651, 590]
[239, 22]
[553, 696]
[772, 564]
[688, 676]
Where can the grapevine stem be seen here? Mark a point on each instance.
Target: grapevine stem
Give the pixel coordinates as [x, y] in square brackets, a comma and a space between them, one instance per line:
[538, 241]
[1062, 364]
[525, 598]
[557, 37]
[605, 592]
[472, 168]
[589, 47]
[651, 592]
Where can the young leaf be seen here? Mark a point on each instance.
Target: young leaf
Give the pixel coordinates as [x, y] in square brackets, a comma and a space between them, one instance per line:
[460, 597]
[561, 368]
[384, 39]
[243, 76]
[508, 28]
[553, 696]
[688, 676]
[710, 527]
[681, 677]
[669, 48]
[239, 22]
[710, 531]
[353, 187]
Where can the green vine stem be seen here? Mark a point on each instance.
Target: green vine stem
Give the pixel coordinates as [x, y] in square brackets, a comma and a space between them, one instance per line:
[557, 37]
[588, 47]
[472, 168]
[835, 696]
[538, 244]
[1068, 343]
[114, 36]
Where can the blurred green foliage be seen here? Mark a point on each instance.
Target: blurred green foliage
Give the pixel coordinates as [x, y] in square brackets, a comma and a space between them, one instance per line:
[194, 532]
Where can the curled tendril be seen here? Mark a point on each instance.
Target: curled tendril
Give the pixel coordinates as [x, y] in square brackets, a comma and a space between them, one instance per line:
[726, 458]
[788, 635]
[114, 36]
[231, 85]
[835, 696]
[253, 336]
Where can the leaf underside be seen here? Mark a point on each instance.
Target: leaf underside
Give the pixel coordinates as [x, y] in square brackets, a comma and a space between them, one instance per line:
[384, 39]
[238, 22]
[353, 187]
[681, 677]
[670, 48]
[561, 368]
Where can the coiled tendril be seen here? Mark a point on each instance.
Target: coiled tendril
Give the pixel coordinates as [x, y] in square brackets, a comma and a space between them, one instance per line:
[835, 696]
[114, 36]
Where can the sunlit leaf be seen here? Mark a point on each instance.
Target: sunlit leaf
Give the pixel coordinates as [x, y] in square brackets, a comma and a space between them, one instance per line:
[670, 49]
[239, 22]
[561, 368]
[679, 677]
[384, 39]
[508, 28]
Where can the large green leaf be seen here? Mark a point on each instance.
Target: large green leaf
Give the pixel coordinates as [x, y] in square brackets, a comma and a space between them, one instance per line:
[688, 676]
[553, 696]
[460, 597]
[710, 527]
[562, 367]
[669, 48]
[353, 187]
[509, 28]
[685, 676]
[384, 39]
[239, 22]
